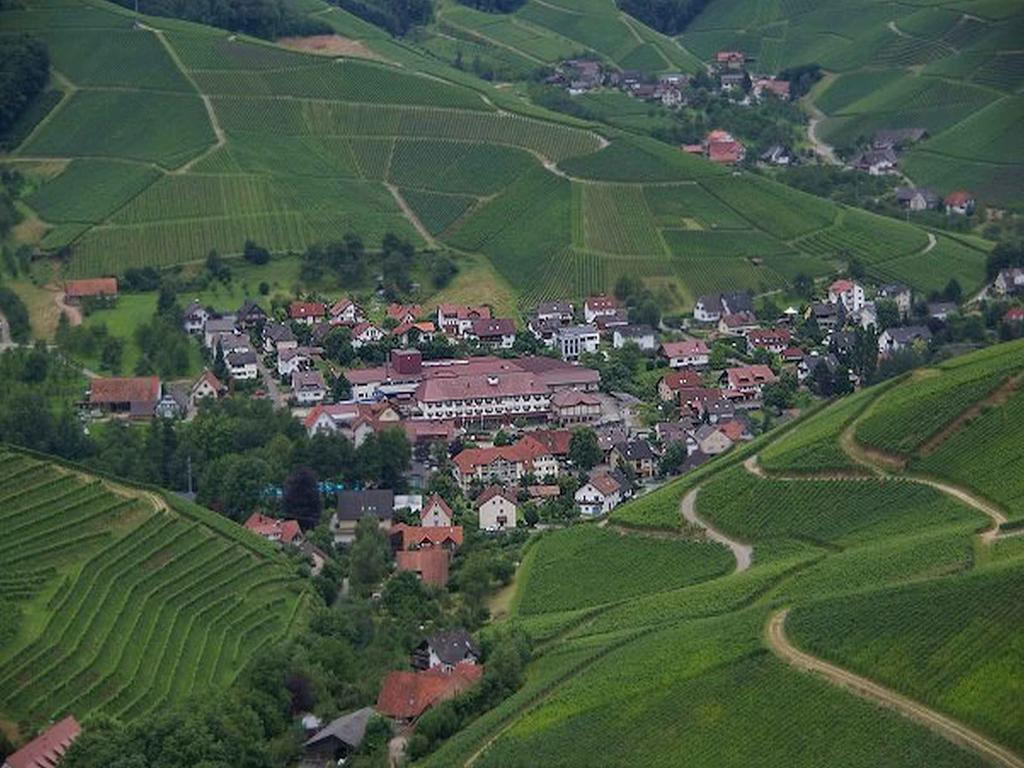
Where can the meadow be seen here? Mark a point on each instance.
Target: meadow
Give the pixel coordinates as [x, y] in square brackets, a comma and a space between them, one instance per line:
[129, 602]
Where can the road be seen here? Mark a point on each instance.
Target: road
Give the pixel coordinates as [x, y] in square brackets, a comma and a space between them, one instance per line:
[273, 388]
[946, 727]
[742, 552]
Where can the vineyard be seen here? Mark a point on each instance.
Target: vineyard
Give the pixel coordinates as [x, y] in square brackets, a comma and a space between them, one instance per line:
[134, 605]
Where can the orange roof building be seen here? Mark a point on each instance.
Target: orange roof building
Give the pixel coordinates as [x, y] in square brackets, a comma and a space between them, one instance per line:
[447, 537]
[135, 396]
[429, 564]
[91, 288]
[272, 529]
[407, 695]
[47, 749]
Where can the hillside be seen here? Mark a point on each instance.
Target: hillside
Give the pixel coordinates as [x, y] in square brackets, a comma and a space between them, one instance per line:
[955, 69]
[888, 583]
[174, 139]
[122, 601]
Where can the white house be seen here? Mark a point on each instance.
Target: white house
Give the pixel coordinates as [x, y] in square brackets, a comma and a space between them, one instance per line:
[897, 339]
[897, 293]
[711, 440]
[574, 340]
[346, 312]
[242, 365]
[497, 509]
[848, 293]
[641, 335]
[366, 333]
[308, 387]
[686, 354]
[194, 318]
[599, 306]
[599, 495]
[214, 327]
[436, 513]
[295, 359]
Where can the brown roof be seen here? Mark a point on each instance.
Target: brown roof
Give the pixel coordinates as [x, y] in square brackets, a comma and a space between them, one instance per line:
[426, 535]
[269, 527]
[431, 565]
[682, 379]
[605, 483]
[455, 387]
[435, 501]
[97, 286]
[491, 491]
[209, 378]
[497, 326]
[684, 348]
[733, 429]
[523, 451]
[749, 375]
[407, 695]
[555, 441]
[768, 336]
[144, 389]
[567, 398]
[298, 310]
[47, 749]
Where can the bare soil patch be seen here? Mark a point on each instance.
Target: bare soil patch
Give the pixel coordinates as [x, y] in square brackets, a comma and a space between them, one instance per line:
[330, 45]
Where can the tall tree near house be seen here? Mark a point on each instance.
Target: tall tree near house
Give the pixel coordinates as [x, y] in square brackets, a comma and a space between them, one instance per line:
[369, 556]
[302, 499]
[584, 451]
[220, 366]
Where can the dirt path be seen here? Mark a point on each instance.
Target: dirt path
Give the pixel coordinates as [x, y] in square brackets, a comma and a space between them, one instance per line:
[946, 727]
[73, 313]
[742, 552]
[410, 214]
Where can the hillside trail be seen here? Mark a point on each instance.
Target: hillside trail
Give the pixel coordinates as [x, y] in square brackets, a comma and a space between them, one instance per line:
[410, 214]
[742, 552]
[825, 151]
[946, 727]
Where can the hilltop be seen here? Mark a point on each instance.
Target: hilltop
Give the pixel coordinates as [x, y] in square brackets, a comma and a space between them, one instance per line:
[171, 139]
[874, 564]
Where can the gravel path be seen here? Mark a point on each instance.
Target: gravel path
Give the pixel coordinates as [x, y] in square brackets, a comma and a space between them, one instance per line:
[742, 552]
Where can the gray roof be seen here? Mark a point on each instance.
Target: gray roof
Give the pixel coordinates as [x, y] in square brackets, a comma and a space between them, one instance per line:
[355, 505]
[554, 307]
[892, 289]
[278, 332]
[570, 331]
[348, 729]
[705, 431]
[635, 331]
[224, 324]
[909, 333]
[241, 358]
[635, 450]
[308, 380]
[454, 646]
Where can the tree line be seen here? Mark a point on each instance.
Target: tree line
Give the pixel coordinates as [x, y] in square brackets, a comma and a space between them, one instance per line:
[668, 16]
[24, 72]
[268, 19]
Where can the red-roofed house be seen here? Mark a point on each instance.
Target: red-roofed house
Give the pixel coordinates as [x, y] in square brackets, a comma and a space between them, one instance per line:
[456, 319]
[496, 507]
[737, 323]
[672, 383]
[407, 695]
[207, 385]
[272, 529]
[599, 306]
[774, 340]
[735, 430]
[307, 312]
[959, 201]
[848, 293]
[599, 495]
[436, 512]
[430, 564]
[727, 151]
[686, 354]
[47, 749]
[404, 313]
[365, 333]
[1014, 315]
[92, 288]
[570, 406]
[732, 59]
[499, 332]
[410, 334]
[506, 464]
[135, 396]
[446, 537]
[749, 380]
[779, 88]
[346, 312]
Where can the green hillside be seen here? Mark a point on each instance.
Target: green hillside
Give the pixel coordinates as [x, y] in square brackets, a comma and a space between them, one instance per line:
[174, 139]
[883, 574]
[953, 68]
[116, 601]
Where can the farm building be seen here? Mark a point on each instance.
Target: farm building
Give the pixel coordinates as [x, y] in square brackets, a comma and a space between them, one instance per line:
[405, 696]
[338, 739]
[102, 288]
[47, 749]
[136, 396]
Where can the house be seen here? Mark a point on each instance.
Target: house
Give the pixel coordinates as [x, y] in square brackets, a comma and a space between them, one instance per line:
[941, 310]
[207, 385]
[769, 85]
[408, 537]
[897, 339]
[336, 741]
[234, 341]
[250, 314]
[174, 402]
[48, 748]
[718, 409]
[612, 320]
[430, 565]
[792, 355]
[479, 398]
[571, 406]
[353, 506]
[917, 199]
[1009, 282]
[876, 161]
[307, 312]
[711, 440]
[544, 329]
[677, 432]
[446, 650]
[278, 337]
[722, 147]
[827, 316]
[215, 328]
[496, 507]
[365, 333]
[842, 342]
[404, 696]
[805, 371]
[272, 529]
[709, 309]
[354, 421]
[242, 365]
[456, 320]
[898, 294]
[672, 383]
[641, 335]
[731, 80]
[543, 492]
[497, 332]
[293, 359]
[686, 354]
[410, 334]
[897, 138]
[775, 340]
[436, 513]
[599, 306]
[697, 400]
[133, 396]
[777, 154]
[575, 340]
[560, 311]
[730, 59]
[308, 387]
[599, 495]
[737, 324]
[735, 429]
[346, 312]
[506, 464]
[95, 289]
[404, 313]
[636, 454]
[848, 293]
[194, 318]
[748, 380]
[960, 202]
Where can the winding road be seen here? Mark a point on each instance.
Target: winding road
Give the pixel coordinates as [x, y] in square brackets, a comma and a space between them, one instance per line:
[743, 553]
[946, 727]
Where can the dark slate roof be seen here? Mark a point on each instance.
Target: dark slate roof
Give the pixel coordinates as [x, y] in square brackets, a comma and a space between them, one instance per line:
[348, 729]
[909, 333]
[241, 358]
[454, 646]
[278, 332]
[355, 505]
[636, 450]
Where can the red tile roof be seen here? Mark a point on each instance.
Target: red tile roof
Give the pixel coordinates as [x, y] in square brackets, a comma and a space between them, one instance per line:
[97, 286]
[497, 326]
[272, 528]
[491, 491]
[602, 303]
[461, 387]
[524, 451]
[748, 376]
[554, 441]
[463, 312]
[958, 197]
[605, 483]
[407, 695]
[1014, 315]
[401, 311]
[841, 286]
[299, 310]
[567, 398]
[765, 337]
[427, 535]
[678, 380]
[733, 429]
[684, 348]
[436, 501]
[144, 389]
[431, 565]
[725, 151]
[46, 750]
[726, 56]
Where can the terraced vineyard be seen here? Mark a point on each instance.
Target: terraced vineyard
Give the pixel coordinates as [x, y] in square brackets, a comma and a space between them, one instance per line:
[885, 576]
[129, 604]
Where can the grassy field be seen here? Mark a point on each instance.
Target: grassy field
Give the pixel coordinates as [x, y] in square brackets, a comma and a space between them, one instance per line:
[127, 604]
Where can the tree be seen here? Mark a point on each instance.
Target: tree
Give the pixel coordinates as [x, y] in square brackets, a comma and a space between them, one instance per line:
[502, 438]
[217, 268]
[341, 388]
[647, 312]
[781, 393]
[672, 460]
[888, 314]
[369, 556]
[953, 292]
[24, 71]
[302, 499]
[584, 450]
[803, 285]
[112, 354]
[255, 254]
